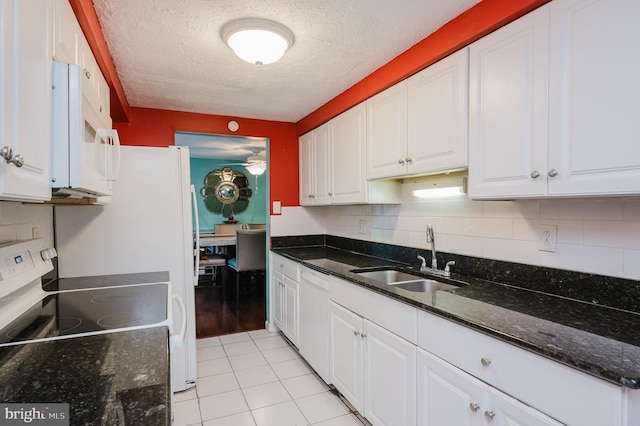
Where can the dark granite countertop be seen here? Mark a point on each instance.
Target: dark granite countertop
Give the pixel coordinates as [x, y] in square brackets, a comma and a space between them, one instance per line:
[113, 378]
[599, 340]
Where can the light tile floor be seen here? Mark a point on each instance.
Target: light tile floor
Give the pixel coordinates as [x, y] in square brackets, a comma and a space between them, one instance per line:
[256, 378]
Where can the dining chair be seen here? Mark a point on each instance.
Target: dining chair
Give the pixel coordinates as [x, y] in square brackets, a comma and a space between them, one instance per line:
[250, 254]
[215, 263]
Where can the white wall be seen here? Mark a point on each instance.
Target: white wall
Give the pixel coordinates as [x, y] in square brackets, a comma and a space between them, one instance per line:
[17, 222]
[596, 235]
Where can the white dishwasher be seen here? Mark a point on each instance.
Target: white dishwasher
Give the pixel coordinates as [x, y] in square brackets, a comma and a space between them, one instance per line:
[313, 340]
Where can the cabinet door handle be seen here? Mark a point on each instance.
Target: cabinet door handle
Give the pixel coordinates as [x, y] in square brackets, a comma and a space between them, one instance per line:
[355, 332]
[552, 173]
[7, 153]
[485, 361]
[409, 160]
[331, 194]
[363, 335]
[490, 414]
[474, 407]
[401, 161]
[535, 174]
[87, 73]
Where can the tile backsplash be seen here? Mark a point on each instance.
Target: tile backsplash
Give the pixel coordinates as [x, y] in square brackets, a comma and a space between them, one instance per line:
[20, 221]
[594, 235]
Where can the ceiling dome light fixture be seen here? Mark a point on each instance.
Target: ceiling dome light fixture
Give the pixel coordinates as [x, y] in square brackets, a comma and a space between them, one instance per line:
[257, 41]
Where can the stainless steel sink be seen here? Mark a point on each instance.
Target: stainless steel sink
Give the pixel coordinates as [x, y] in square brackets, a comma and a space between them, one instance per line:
[424, 285]
[403, 280]
[388, 276]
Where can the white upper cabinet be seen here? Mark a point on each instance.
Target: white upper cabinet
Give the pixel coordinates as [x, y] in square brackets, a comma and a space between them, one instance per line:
[65, 33]
[332, 164]
[438, 116]
[508, 110]
[419, 125]
[314, 167]
[594, 69]
[387, 133]
[71, 46]
[347, 152]
[25, 89]
[552, 101]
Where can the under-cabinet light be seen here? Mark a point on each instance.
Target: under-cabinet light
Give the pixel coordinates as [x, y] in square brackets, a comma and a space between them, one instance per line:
[442, 187]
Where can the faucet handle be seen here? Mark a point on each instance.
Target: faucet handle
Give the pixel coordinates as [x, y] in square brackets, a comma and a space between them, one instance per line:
[447, 269]
[424, 263]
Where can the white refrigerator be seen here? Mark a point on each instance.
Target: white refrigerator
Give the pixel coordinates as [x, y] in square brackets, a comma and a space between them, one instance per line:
[147, 227]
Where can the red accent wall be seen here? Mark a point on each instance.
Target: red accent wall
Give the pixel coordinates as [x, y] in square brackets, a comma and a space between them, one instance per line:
[486, 16]
[154, 127]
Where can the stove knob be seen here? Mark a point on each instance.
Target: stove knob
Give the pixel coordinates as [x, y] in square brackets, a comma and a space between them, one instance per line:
[48, 254]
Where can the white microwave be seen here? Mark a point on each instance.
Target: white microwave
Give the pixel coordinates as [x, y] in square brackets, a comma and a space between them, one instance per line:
[85, 151]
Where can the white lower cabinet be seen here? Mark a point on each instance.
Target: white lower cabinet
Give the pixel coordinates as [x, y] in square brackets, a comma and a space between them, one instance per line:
[284, 296]
[561, 392]
[277, 297]
[449, 396]
[373, 368]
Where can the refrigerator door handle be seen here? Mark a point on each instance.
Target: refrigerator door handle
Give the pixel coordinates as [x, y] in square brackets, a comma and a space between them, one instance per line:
[179, 339]
[196, 250]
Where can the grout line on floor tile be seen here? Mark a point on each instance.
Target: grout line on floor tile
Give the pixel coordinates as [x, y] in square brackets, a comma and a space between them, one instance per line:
[256, 336]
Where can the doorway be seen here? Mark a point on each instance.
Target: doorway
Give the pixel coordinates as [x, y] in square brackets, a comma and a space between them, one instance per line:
[214, 160]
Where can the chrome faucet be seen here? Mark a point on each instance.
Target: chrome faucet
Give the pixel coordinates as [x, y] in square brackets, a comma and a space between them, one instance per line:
[434, 262]
[431, 239]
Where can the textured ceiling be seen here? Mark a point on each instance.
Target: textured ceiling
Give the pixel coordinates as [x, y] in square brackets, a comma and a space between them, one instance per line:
[169, 54]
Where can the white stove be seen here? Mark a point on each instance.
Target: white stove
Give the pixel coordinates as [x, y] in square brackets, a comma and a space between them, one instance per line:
[84, 306]
[99, 344]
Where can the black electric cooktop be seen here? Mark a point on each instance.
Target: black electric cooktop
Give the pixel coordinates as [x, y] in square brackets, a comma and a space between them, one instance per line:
[89, 311]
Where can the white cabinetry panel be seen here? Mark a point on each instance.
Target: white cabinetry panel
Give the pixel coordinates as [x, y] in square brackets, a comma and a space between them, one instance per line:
[508, 109]
[25, 90]
[594, 132]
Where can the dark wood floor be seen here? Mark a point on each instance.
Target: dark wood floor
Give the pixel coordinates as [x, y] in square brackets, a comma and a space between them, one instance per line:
[216, 317]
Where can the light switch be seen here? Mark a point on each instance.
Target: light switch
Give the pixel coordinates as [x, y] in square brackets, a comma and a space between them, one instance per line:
[277, 207]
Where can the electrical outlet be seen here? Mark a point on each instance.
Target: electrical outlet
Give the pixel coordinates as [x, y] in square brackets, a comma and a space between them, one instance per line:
[548, 238]
[35, 232]
[363, 227]
[277, 207]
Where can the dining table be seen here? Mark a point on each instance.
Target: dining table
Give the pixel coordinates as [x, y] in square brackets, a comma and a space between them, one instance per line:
[217, 240]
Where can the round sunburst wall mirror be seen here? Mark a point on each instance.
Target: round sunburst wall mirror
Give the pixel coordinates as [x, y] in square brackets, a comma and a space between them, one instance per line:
[226, 192]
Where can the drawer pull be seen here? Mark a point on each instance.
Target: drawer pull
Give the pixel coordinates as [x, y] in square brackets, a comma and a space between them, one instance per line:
[485, 361]
[474, 407]
[490, 414]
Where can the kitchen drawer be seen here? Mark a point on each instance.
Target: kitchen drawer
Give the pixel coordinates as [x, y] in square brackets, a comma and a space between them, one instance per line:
[286, 267]
[564, 393]
[395, 316]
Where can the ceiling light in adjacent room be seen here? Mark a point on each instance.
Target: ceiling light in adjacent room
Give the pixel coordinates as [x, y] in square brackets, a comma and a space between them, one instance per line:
[257, 41]
[256, 165]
